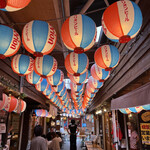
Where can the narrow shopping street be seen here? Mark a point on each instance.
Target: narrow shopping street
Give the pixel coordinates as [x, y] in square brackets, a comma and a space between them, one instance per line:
[75, 70]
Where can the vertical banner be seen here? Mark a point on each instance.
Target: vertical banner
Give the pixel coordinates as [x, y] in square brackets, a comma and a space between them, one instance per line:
[144, 118]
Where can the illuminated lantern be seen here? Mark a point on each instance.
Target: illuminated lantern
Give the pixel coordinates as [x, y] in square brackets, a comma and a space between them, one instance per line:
[107, 57]
[42, 86]
[93, 83]
[88, 94]
[38, 112]
[122, 21]
[79, 79]
[64, 97]
[90, 89]
[79, 33]
[75, 97]
[146, 107]
[77, 94]
[59, 88]
[63, 92]
[48, 91]
[45, 66]
[75, 87]
[55, 98]
[56, 79]
[76, 64]
[34, 78]
[39, 37]
[23, 106]
[51, 95]
[4, 101]
[13, 5]
[22, 64]
[9, 41]
[12, 104]
[44, 113]
[98, 73]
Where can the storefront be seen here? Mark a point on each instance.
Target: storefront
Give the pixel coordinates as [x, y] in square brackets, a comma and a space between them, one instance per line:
[135, 107]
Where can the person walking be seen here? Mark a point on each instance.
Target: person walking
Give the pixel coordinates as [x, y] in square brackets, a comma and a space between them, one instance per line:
[38, 142]
[54, 145]
[73, 131]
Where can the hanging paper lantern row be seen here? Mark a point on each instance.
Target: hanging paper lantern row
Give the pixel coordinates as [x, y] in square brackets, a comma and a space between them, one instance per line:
[107, 57]
[51, 95]
[62, 93]
[88, 94]
[34, 78]
[79, 79]
[22, 64]
[10, 41]
[59, 88]
[56, 79]
[48, 91]
[76, 64]
[76, 88]
[78, 94]
[122, 21]
[99, 74]
[93, 83]
[10, 103]
[39, 37]
[90, 89]
[13, 5]
[42, 86]
[75, 33]
[64, 97]
[45, 66]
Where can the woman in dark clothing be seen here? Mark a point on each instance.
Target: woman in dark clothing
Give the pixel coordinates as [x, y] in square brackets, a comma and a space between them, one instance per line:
[73, 132]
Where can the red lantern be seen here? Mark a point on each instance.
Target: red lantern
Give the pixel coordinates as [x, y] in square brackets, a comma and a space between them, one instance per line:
[12, 104]
[122, 21]
[98, 73]
[79, 33]
[4, 101]
[107, 57]
[13, 5]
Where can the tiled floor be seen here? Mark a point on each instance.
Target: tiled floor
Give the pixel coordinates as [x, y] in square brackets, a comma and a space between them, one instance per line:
[66, 145]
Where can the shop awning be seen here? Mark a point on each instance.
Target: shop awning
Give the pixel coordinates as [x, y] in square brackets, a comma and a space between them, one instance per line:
[138, 97]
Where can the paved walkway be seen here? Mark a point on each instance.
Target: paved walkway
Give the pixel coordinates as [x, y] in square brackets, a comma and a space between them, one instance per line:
[66, 145]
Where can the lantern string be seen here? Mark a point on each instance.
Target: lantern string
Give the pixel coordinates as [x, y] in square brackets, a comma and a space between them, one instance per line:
[61, 18]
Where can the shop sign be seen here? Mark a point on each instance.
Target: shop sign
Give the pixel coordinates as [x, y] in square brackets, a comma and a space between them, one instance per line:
[144, 118]
[2, 128]
[145, 133]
